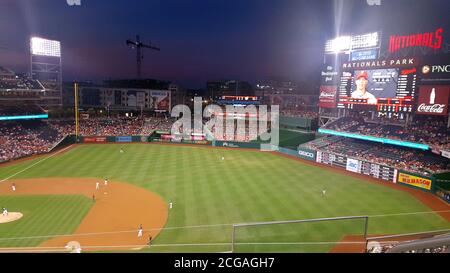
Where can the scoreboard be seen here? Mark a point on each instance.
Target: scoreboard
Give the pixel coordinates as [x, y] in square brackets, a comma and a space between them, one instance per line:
[238, 100]
[394, 90]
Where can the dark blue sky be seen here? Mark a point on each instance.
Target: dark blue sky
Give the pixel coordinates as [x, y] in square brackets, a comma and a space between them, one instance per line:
[201, 40]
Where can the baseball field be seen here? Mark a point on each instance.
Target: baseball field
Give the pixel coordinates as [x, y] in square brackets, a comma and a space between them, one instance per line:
[210, 189]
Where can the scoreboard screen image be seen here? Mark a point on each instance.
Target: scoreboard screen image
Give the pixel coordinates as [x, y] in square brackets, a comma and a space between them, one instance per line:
[381, 83]
[379, 90]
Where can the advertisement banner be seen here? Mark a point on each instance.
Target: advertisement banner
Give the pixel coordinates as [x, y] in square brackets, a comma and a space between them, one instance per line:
[435, 70]
[94, 139]
[167, 137]
[353, 165]
[233, 144]
[124, 139]
[415, 181]
[330, 76]
[433, 100]
[327, 98]
[160, 100]
[199, 142]
[361, 55]
[445, 153]
[307, 154]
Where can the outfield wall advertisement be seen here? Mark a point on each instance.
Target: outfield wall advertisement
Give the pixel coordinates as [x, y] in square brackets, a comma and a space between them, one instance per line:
[353, 165]
[415, 181]
[306, 154]
[358, 166]
[94, 139]
[124, 139]
[234, 144]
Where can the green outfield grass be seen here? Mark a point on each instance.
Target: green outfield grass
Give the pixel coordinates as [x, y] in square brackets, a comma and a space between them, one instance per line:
[248, 186]
[42, 215]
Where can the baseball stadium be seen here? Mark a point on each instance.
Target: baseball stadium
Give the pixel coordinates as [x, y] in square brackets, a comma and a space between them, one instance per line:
[361, 165]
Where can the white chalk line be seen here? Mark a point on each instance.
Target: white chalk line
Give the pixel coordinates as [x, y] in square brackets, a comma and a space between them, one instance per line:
[34, 164]
[63, 249]
[187, 227]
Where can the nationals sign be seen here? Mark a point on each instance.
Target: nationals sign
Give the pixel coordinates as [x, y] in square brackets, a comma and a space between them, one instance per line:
[429, 39]
[433, 100]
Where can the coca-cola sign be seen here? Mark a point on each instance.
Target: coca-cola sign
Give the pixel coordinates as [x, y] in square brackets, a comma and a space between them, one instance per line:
[433, 100]
[435, 108]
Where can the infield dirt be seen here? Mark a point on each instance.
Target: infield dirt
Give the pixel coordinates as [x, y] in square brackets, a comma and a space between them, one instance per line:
[112, 222]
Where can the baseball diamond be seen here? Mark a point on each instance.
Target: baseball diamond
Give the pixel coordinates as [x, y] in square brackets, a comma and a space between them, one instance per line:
[208, 196]
[241, 128]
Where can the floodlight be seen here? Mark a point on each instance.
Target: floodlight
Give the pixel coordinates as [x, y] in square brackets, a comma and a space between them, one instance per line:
[365, 41]
[338, 44]
[44, 47]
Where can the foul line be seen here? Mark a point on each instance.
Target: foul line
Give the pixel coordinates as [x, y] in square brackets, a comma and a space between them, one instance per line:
[193, 226]
[34, 164]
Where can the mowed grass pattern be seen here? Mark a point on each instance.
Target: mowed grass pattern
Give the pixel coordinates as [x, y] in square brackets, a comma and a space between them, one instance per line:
[247, 186]
[43, 215]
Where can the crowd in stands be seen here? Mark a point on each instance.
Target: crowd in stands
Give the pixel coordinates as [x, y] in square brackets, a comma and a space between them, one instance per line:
[423, 162]
[19, 139]
[26, 138]
[10, 81]
[427, 130]
[386, 248]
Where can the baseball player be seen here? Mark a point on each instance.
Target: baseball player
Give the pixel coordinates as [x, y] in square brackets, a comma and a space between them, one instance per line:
[121, 150]
[140, 231]
[170, 205]
[106, 181]
[324, 192]
[5, 212]
[13, 187]
[93, 197]
[97, 186]
[223, 158]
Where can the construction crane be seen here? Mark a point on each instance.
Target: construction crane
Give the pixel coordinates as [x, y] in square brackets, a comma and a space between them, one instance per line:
[138, 45]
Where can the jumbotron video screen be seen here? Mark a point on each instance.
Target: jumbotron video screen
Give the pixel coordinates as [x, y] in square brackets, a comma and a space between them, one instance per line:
[381, 90]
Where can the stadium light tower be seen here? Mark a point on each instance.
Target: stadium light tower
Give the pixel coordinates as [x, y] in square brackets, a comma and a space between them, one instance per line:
[46, 67]
[138, 45]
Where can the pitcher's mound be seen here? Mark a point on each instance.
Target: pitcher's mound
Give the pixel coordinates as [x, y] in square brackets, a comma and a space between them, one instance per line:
[12, 216]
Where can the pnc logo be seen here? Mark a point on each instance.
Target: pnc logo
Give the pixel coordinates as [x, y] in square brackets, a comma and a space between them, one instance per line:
[436, 69]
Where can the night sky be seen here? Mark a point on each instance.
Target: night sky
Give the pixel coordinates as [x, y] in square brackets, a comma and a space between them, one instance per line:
[202, 40]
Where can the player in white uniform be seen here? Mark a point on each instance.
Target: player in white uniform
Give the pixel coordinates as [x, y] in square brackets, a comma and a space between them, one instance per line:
[170, 205]
[106, 181]
[97, 186]
[13, 187]
[140, 231]
[324, 192]
[5, 212]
